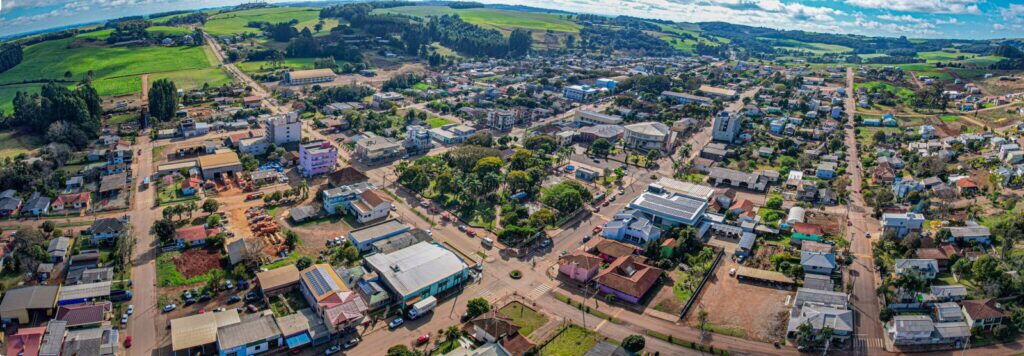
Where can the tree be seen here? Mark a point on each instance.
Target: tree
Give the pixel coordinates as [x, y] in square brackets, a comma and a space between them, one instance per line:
[213, 220]
[542, 218]
[487, 165]
[961, 267]
[481, 139]
[518, 181]
[1002, 332]
[164, 230]
[702, 319]
[601, 147]
[210, 206]
[163, 99]
[48, 226]
[303, 263]
[634, 343]
[415, 178]
[402, 350]
[291, 239]
[477, 306]
[350, 253]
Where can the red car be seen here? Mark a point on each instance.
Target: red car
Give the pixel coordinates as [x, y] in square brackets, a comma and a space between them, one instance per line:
[422, 339]
[597, 230]
[470, 232]
[128, 342]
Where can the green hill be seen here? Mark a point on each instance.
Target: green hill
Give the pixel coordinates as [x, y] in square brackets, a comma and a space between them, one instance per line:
[502, 20]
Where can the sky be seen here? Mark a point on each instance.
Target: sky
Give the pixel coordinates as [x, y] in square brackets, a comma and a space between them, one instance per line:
[968, 19]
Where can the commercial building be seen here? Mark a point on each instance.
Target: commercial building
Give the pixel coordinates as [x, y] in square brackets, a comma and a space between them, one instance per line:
[683, 98]
[382, 99]
[317, 157]
[631, 226]
[649, 136]
[372, 148]
[726, 126]
[250, 336]
[716, 92]
[417, 140]
[579, 92]
[25, 304]
[363, 238]
[81, 293]
[611, 133]
[284, 129]
[333, 301]
[418, 271]
[669, 209]
[278, 281]
[361, 200]
[588, 118]
[312, 76]
[197, 334]
[223, 162]
[452, 133]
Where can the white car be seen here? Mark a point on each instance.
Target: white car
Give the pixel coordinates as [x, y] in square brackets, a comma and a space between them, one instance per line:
[124, 318]
[169, 307]
[131, 309]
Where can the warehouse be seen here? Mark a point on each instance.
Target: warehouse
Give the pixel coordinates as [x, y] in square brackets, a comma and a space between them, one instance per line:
[220, 162]
[312, 76]
[81, 293]
[419, 271]
[29, 303]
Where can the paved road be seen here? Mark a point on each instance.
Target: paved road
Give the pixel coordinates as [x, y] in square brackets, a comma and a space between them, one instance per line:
[862, 272]
[142, 325]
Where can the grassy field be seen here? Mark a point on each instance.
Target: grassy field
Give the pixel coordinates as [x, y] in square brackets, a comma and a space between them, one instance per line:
[195, 78]
[122, 118]
[257, 67]
[12, 145]
[811, 47]
[436, 122]
[118, 86]
[901, 92]
[232, 23]
[7, 93]
[493, 18]
[574, 340]
[527, 319]
[51, 59]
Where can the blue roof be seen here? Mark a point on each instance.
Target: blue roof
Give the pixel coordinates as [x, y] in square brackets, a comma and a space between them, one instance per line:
[297, 340]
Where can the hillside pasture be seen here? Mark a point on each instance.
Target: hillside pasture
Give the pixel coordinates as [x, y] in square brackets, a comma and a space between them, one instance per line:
[7, 93]
[503, 20]
[261, 67]
[195, 78]
[810, 47]
[234, 22]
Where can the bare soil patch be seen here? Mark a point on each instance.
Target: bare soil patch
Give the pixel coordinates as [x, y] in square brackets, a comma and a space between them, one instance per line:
[748, 309]
[194, 262]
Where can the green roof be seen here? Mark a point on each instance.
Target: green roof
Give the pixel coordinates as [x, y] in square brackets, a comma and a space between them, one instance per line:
[808, 237]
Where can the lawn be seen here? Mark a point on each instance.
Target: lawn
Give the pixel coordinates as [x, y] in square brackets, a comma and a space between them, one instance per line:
[527, 319]
[573, 340]
[877, 85]
[195, 78]
[257, 67]
[290, 260]
[950, 118]
[118, 86]
[234, 22]
[122, 118]
[494, 18]
[12, 145]
[51, 59]
[866, 135]
[810, 47]
[436, 122]
[7, 93]
[167, 274]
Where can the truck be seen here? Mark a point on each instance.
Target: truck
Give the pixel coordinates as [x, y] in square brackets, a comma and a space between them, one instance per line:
[119, 295]
[422, 307]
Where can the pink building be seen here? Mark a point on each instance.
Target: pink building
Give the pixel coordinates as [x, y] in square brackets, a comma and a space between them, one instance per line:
[26, 342]
[317, 157]
[579, 266]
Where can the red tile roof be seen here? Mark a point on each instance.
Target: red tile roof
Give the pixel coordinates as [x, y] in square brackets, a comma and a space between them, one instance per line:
[372, 198]
[26, 342]
[71, 199]
[809, 229]
[83, 314]
[614, 248]
[581, 259]
[628, 276]
[966, 183]
[983, 309]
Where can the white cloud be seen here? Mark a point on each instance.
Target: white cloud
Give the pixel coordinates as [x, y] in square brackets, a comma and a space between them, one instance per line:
[950, 21]
[929, 6]
[998, 26]
[1013, 13]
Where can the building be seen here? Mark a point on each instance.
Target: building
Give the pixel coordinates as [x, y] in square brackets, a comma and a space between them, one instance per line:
[346, 176]
[82, 293]
[579, 93]
[251, 336]
[25, 342]
[630, 226]
[89, 275]
[302, 328]
[726, 126]
[501, 120]
[27, 304]
[589, 118]
[419, 271]
[380, 100]
[39, 205]
[737, 179]
[627, 279]
[106, 230]
[611, 133]
[193, 236]
[579, 266]
[312, 76]
[683, 98]
[254, 145]
[58, 249]
[223, 162]
[817, 262]
[197, 334]
[363, 238]
[606, 83]
[821, 309]
[972, 233]
[910, 329]
[53, 338]
[417, 140]
[317, 157]
[983, 314]
[332, 300]
[451, 134]
[649, 136]
[100, 341]
[361, 200]
[400, 241]
[715, 92]
[669, 209]
[926, 268]
[10, 202]
[899, 225]
[76, 201]
[372, 148]
[278, 281]
[343, 196]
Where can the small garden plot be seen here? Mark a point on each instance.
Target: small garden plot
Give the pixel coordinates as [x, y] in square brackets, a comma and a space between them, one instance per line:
[572, 340]
[527, 319]
[684, 282]
[193, 266]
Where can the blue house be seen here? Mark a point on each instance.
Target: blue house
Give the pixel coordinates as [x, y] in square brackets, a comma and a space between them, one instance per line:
[777, 126]
[872, 122]
[826, 170]
[630, 226]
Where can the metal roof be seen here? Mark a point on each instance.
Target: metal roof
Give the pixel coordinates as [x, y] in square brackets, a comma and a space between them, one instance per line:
[411, 269]
[250, 330]
[371, 233]
[200, 329]
[676, 207]
[34, 297]
[88, 290]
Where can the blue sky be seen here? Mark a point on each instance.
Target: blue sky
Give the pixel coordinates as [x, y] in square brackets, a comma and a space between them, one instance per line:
[973, 19]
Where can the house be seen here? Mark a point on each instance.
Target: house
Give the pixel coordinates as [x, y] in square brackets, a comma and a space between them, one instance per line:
[966, 186]
[934, 253]
[586, 172]
[250, 336]
[925, 268]
[25, 342]
[303, 328]
[947, 312]
[817, 262]
[826, 170]
[579, 266]
[346, 176]
[83, 315]
[58, 249]
[37, 205]
[627, 279]
[85, 259]
[971, 233]
[27, 304]
[191, 186]
[317, 157]
[106, 229]
[983, 314]
[820, 309]
[649, 136]
[381, 100]
[899, 225]
[910, 329]
[494, 329]
[89, 275]
[947, 293]
[193, 236]
[278, 281]
[819, 282]
[101, 341]
[927, 132]
[78, 201]
[736, 179]
[418, 271]
[610, 250]
[630, 226]
[10, 203]
[332, 300]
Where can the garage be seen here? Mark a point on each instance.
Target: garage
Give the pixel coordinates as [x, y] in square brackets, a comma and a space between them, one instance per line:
[224, 161]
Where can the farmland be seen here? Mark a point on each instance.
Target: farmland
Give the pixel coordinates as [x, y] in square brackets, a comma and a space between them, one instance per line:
[258, 67]
[7, 93]
[12, 145]
[233, 23]
[503, 20]
[195, 78]
[811, 47]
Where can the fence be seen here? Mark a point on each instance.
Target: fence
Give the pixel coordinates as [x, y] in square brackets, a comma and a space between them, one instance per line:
[700, 287]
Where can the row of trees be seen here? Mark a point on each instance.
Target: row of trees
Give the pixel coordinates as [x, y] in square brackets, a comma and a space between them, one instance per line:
[10, 56]
[62, 114]
[163, 99]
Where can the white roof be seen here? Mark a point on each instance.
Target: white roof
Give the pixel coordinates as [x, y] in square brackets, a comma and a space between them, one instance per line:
[416, 267]
[649, 128]
[696, 191]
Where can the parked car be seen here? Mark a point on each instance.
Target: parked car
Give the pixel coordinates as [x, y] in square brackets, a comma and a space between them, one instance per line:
[128, 342]
[124, 318]
[423, 339]
[605, 203]
[350, 343]
[332, 350]
[190, 301]
[252, 308]
[169, 307]
[218, 310]
[545, 244]
[462, 228]
[251, 296]
[242, 284]
[187, 295]
[229, 285]
[622, 191]
[131, 309]
[396, 323]
[234, 299]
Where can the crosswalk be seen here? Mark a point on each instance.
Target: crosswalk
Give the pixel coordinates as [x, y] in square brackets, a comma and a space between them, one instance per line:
[538, 291]
[868, 343]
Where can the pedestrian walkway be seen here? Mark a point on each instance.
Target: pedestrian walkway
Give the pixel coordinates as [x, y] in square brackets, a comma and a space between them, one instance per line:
[863, 344]
[538, 291]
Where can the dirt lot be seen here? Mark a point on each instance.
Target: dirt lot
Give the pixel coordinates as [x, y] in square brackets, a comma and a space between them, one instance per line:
[756, 311]
[197, 261]
[833, 224]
